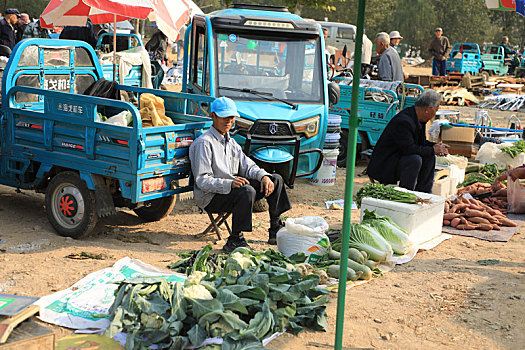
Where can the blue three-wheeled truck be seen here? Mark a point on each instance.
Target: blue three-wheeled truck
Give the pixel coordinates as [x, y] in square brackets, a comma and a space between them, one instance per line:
[51, 141]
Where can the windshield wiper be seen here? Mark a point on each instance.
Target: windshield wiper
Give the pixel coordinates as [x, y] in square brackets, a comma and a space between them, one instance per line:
[266, 95]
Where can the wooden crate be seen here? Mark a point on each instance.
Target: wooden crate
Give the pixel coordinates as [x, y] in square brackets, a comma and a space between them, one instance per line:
[30, 336]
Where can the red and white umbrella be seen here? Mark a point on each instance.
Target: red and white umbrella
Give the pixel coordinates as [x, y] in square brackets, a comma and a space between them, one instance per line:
[76, 12]
[171, 15]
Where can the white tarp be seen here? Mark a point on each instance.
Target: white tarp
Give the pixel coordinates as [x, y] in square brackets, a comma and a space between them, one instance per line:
[85, 304]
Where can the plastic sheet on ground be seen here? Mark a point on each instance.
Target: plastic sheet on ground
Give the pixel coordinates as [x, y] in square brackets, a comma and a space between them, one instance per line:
[85, 305]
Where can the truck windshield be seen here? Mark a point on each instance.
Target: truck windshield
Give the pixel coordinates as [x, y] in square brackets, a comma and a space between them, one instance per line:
[288, 69]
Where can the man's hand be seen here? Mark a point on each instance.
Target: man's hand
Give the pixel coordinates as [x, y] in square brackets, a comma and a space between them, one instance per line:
[441, 149]
[266, 186]
[239, 182]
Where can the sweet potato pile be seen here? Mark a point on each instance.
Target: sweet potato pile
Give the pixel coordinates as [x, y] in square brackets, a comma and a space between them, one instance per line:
[498, 200]
[472, 214]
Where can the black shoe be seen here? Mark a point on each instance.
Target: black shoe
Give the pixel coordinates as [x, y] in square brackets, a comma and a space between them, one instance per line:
[272, 232]
[235, 242]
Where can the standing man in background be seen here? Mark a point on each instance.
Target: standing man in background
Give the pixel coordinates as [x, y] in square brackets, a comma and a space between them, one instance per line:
[389, 67]
[23, 21]
[439, 49]
[8, 28]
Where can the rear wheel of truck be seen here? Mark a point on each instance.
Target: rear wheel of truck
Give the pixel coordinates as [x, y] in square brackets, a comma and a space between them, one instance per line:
[156, 209]
[70, 205]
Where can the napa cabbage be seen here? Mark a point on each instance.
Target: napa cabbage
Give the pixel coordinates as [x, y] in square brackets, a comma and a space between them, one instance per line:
[393, 234]
[365, 238]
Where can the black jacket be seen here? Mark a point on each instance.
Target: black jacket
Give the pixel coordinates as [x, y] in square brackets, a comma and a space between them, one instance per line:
[7, 34]
[404, 135]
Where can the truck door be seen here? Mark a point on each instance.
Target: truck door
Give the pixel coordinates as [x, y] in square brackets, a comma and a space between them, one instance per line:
[199, 67]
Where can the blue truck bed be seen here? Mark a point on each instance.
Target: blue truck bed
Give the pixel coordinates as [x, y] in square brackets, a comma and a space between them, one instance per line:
[45, 134]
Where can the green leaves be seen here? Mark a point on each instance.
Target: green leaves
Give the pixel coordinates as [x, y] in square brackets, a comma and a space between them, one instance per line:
[250, 297]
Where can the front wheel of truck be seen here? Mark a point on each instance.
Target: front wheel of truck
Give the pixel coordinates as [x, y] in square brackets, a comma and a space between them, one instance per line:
[156, 209]
[70, 205]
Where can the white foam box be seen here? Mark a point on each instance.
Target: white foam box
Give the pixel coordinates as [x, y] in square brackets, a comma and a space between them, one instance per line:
[443, 187]
[422, 222]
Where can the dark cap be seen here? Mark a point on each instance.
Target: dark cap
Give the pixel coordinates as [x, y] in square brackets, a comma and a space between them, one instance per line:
[12, 12]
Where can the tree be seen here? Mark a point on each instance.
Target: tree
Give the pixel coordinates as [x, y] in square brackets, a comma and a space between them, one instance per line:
[33, 8]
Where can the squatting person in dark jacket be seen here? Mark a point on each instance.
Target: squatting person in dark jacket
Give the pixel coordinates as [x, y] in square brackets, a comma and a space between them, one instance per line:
[402, 153]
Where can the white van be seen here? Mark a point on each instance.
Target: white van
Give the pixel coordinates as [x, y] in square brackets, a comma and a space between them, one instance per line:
[340, 34]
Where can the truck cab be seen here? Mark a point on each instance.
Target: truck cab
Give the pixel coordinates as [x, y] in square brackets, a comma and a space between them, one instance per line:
[465, 58]
[494, 60]
[272, 64]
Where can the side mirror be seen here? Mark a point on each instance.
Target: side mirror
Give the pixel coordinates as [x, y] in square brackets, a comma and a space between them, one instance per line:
[345, 50]
[333, 93]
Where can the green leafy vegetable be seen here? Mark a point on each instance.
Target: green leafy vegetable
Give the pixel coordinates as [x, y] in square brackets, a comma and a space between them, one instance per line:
[388, 193]
[393, 234]
[514, 150]
[369, 240]
[251, 296]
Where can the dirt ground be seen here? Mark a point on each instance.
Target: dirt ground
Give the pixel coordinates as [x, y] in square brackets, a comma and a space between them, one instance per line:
[441, 299]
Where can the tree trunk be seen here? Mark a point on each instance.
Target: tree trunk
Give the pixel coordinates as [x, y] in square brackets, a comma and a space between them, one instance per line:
[298, 9]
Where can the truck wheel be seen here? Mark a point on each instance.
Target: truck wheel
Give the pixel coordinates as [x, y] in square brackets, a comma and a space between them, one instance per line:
[70, 205]
[260, 206]
[485, 75]
[156, 209]
[343, 144]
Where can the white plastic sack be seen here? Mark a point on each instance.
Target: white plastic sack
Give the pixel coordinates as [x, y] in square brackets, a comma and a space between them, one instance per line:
[85, 305]
[515, 196]
[434, 130]
[490, 153]
[122, 119]
[304, 235]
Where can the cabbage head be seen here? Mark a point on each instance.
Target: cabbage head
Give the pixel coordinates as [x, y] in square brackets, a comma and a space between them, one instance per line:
[365, 238]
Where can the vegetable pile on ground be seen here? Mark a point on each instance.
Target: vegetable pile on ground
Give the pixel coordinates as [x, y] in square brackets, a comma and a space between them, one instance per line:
[472, 214]
[371, 242]
[388, 193]
[514, 150]
[243, 302]
[483, 174]
[496, 200]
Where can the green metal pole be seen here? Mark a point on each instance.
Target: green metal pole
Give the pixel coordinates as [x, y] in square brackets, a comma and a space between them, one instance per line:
[349, 186]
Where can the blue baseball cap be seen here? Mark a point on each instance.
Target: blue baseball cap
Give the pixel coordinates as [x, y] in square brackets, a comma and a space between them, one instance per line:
[224, 107]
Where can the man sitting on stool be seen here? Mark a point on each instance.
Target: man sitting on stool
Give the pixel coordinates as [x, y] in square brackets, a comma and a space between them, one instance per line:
[402, 153]
[226, 180]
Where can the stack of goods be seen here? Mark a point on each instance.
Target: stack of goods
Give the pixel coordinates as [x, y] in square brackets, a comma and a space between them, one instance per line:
[325, 176]
[333, 132]
[472, 214]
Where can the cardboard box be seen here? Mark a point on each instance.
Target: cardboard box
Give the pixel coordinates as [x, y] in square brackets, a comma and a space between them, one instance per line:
[458, 134]
[461, 148]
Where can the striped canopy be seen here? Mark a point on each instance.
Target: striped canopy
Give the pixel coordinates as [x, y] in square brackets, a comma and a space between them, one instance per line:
[77, 12]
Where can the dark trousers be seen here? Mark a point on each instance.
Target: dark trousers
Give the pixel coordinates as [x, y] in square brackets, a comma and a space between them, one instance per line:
[240, 201]
[416, 172]
[439, 67]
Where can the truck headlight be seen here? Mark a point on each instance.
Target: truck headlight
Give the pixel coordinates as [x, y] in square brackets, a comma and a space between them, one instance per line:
[243, 124]
[308, 127]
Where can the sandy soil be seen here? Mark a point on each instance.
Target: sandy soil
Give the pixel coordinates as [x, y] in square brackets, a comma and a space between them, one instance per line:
[441, 299]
